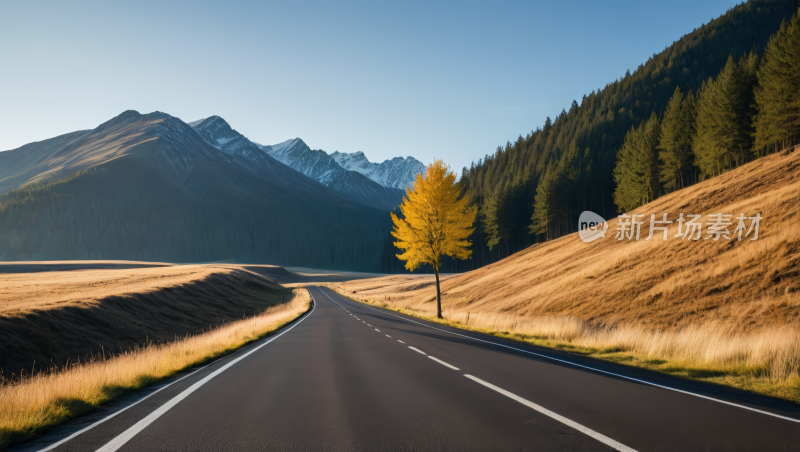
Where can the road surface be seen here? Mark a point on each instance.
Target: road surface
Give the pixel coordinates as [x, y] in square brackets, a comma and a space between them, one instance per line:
[352, 377]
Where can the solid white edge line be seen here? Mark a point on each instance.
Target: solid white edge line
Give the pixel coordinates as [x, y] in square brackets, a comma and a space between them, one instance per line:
[128, 434]
[585, 430]
[85, 429]
[744, 407]
[417, 350]
[95, 424]
[443, 363]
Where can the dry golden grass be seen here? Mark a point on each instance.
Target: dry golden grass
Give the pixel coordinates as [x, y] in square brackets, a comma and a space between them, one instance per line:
[775, 350]
[28, 406]
[729, 306]
[48, 319]
[23, 292]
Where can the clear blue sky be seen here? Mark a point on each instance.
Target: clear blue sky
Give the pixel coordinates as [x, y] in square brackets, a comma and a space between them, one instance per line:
[446, 79]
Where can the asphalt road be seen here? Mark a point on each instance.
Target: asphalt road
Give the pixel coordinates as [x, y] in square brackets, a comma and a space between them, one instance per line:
[352, 377]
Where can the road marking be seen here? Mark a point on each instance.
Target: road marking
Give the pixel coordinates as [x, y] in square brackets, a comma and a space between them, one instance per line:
[418, 350]
[377, 330]
[400, 341]
[598, 436]
[388, 336]
[744, 407]
[443, 363]
[369, 325]
[128, 434]
[56, 444]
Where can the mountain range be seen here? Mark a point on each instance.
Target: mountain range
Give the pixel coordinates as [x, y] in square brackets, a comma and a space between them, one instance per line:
[321, 167]
[376, 185]
[151, 187]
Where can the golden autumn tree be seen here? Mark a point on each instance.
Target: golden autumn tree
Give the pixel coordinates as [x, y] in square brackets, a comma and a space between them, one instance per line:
[435, 222]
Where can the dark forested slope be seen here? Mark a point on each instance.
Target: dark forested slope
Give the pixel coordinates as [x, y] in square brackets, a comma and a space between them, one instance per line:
[147, 187]
[535, 188]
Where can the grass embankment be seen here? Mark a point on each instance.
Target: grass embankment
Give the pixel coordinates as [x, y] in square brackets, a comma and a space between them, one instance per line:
[726, 312]
[32, 404]
[49, 319]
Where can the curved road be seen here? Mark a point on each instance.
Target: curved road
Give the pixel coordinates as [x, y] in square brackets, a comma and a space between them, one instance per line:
[353, 377]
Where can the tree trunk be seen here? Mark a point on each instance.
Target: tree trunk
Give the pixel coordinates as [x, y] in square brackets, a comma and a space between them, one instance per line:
[438, 295]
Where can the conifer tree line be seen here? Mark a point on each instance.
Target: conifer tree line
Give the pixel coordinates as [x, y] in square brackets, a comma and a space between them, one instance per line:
[715, 99]
[750, 109]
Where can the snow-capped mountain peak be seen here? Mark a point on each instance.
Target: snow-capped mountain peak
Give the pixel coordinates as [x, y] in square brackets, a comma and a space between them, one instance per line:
[398, 172]
[218, 133]
[320, 166]
[282, 148]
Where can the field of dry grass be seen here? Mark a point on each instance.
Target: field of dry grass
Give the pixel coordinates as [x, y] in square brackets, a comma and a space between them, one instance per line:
[53, 318]
[724, 311]
[30, 405]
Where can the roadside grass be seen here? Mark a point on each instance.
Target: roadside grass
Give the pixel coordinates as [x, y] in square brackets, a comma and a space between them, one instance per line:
[29, 406]
[765, 362]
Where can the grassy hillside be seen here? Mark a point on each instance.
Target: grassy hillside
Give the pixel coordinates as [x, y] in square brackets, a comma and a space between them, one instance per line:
[566, 165]
[66, 310]
[725, 305]
[52, 318]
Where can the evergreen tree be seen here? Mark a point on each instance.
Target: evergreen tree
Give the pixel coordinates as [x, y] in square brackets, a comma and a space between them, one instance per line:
[778, 93]
[489, 217]
[675, 143]
[549, 204]
[724, 117]
[636, 172]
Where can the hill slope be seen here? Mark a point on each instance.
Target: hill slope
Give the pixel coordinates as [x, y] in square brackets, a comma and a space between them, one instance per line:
[148, 187]
[569, 160]
[66, 315]
[725, 311]
[664, 285]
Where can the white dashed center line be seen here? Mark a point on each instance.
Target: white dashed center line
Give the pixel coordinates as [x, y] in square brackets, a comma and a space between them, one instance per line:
[598, 436]
[443, 363]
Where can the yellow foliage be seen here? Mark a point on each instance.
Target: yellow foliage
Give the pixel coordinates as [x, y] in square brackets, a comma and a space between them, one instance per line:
[435, 222]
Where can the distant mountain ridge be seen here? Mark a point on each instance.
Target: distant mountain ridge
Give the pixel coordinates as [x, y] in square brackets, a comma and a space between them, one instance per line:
[297, 156]
[320, 166]
[398, 172]
[380, 185]
[218, 133]
[150, 187]
[179, 150]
